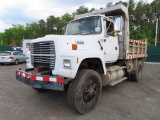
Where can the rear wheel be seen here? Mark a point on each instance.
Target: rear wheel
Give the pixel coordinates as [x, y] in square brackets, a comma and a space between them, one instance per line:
[16, 62]
[137, 75]
[2, 63]
[84, 91]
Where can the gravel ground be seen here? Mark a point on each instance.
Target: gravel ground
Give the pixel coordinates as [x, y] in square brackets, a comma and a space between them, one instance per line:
[125, 101]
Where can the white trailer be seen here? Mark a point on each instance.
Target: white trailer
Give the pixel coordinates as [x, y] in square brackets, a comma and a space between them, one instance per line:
[26, 45]
[95, 51]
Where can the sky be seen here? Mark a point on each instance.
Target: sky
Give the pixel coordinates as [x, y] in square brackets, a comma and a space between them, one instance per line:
[27, 11]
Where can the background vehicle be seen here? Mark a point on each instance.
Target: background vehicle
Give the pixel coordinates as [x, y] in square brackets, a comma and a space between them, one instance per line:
[11, 57]
[95, 51]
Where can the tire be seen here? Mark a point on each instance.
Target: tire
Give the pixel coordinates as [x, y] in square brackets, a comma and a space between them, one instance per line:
[2, 63]
[16, 62]
[137, 76]
[84, 91]
[40, 90]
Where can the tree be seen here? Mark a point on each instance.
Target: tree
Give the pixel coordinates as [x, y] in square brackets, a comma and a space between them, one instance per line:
[1, 38]
[32, 30]
[14, 34]
[65, 19]
[120, 2]
[42, 26]
[92, 9]
[81, 10]
[109, 4]
[52, 24]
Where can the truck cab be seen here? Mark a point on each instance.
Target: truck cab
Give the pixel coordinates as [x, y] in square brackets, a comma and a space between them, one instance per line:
[101, 27]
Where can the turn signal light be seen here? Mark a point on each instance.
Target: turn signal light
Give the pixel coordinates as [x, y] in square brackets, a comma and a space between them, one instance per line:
[74, 46]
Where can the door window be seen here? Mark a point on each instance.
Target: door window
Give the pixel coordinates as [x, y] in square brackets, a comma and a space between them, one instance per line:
[109, 28]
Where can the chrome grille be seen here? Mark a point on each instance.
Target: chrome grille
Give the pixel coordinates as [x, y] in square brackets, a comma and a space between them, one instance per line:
[43, 54]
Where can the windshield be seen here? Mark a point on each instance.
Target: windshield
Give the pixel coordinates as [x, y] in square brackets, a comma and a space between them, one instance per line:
[5, 53]
[84, 26]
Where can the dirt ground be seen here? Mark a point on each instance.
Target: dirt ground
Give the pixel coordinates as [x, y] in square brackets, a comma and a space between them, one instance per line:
[126, 101]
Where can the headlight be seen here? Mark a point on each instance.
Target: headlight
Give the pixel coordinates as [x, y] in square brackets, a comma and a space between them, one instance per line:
[67, 63]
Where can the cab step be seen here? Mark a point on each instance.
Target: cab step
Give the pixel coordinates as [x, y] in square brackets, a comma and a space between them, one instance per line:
[117, 81]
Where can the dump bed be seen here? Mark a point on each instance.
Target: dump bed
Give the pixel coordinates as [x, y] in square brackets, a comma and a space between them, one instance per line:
[137, 49]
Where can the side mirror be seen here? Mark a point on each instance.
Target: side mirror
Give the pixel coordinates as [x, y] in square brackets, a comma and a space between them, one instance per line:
[118, 24]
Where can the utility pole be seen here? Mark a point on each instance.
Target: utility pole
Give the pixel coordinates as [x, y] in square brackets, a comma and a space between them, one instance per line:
[156, 35]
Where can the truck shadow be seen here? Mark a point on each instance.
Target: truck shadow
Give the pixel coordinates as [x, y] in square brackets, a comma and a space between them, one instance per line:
[55, 102]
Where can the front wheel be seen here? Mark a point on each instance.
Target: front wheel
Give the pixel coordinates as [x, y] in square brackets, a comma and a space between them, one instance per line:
[84, 91]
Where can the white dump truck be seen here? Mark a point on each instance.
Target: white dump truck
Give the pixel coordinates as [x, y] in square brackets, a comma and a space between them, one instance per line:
[95, 51]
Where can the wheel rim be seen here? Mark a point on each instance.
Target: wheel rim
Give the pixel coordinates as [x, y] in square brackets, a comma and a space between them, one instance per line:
[89, 92]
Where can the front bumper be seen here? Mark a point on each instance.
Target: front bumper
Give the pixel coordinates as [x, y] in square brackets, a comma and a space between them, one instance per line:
[40, 81]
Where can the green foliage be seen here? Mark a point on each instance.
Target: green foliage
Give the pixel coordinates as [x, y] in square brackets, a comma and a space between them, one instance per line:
[109, 4]
[42, 29]
[14, 34]
[52, 25]
[82, 9]
[92, 9]
[121, 2]
[142, 23]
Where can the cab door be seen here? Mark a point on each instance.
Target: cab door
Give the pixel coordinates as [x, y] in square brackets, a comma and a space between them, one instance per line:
[110, 44]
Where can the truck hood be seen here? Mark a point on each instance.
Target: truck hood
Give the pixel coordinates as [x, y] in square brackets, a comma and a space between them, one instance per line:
[84, 42]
